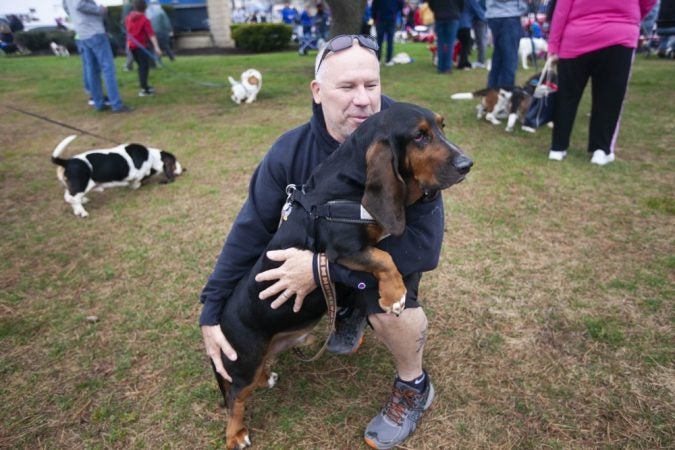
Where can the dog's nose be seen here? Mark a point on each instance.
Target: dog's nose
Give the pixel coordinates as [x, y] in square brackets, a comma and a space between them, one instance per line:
[462, 163]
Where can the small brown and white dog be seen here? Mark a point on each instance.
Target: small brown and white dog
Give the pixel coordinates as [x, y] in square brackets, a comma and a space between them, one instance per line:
[494, 103]
[247, 89]
[59, 50]
[531, 48]
[124, 165]
[504, 103]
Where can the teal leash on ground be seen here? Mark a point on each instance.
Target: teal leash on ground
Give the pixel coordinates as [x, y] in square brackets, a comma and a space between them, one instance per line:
[61, 124]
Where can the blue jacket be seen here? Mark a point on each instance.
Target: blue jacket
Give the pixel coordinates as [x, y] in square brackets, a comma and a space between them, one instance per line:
[497, 9]
[291, 160]
[472, 12]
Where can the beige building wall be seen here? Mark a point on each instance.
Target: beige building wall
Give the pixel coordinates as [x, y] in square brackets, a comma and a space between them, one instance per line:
[219, 22]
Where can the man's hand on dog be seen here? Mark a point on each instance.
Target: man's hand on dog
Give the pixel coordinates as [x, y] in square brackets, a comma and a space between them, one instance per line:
[293, 277]
[215, 342]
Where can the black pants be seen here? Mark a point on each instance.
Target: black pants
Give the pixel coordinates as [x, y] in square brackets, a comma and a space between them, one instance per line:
[143, 61]
[609, 69]
[464, 38]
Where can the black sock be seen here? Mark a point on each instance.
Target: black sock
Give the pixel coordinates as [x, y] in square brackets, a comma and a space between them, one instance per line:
[419, 383]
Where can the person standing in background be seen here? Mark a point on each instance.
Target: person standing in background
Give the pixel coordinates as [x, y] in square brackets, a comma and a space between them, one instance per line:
[594, 40]
[127, 7]
[384, 15]
[480, 29]
[87, 19]
[162, 26]
[503, 18]
[446, 23]
[471, 13]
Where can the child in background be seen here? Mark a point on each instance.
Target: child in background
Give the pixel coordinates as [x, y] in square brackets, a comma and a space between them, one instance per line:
[139, 36]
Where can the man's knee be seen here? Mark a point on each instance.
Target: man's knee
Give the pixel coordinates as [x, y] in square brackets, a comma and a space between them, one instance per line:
[411, 321]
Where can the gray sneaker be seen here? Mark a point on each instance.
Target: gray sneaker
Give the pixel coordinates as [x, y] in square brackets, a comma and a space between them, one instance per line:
[350, 324]
[399, 416]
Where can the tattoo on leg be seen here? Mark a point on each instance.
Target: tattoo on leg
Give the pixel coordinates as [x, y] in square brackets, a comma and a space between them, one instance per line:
[422, 340]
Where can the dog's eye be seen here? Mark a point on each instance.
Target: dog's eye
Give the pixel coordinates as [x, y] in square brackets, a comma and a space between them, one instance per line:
[420, 137]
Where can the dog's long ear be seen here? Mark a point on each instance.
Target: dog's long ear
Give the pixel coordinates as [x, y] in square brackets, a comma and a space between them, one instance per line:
[384, 196]
[169, 166]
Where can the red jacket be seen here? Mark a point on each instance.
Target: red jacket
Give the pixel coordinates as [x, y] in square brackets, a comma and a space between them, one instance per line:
[139, 30]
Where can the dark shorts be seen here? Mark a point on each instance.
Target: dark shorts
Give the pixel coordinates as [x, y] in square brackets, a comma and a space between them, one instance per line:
[367, 299]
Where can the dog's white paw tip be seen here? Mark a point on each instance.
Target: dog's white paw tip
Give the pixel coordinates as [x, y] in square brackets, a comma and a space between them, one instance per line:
[399, 306]
[272, 380]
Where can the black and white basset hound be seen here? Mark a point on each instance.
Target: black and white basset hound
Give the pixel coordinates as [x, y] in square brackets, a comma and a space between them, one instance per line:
[124, 165]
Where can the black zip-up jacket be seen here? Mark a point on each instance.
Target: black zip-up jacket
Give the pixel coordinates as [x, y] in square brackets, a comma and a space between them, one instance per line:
[291, 160]
[446, 10]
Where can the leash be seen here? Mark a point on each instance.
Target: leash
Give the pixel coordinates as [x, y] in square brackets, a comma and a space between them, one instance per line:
[61, 124]
[159, 63]
[328, 289]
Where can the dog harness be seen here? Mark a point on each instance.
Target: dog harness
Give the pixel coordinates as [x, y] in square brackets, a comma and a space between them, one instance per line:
[343, 211]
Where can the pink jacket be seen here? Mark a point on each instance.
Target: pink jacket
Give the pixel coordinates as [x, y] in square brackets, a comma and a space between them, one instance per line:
[582, 26]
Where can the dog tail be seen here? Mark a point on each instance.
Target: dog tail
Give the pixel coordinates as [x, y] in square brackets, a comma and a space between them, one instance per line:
[462, 96]
[59, 149]
[232, 81]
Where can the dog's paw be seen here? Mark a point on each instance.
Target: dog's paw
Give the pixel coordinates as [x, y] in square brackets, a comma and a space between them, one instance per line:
[399, 306]
[396, 307]
[508, 129]
[81, 212]
[272, 380]
[492, 119]
[528, 129]
[239, 440]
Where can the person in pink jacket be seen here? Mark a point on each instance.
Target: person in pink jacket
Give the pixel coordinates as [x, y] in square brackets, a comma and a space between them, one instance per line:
[593, 39]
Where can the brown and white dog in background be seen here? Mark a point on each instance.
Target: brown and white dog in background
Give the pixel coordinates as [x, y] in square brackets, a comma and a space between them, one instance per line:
[494, 103]
[509, 103]
[124, 165]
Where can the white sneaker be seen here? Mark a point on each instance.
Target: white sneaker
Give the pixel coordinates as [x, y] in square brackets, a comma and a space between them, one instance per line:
[601, 158]
[555, 155]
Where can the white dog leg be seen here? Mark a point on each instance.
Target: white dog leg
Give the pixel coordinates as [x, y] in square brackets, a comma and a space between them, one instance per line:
[511, 122]
[492, 119]
[76, 202]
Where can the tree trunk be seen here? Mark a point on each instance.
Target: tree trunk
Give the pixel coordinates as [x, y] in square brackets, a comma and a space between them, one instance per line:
[219, 22]
[347, 15]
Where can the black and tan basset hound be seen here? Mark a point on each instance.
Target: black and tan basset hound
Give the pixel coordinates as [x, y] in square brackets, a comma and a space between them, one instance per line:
[392, 160]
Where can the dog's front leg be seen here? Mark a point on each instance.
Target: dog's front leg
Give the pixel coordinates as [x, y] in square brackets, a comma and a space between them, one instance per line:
[511, 122]
[76, 202]
[390, 283]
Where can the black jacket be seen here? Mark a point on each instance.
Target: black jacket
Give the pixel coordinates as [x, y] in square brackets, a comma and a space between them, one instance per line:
[446, 10]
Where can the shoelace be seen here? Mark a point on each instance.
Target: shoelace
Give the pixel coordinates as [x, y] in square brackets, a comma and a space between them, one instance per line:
[396, 406]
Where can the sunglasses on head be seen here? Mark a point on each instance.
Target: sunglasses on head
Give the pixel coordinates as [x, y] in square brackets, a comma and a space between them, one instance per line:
[345, 41]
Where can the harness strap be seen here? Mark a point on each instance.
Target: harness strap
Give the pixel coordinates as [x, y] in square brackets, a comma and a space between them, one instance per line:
[328, 289]
[344, 211]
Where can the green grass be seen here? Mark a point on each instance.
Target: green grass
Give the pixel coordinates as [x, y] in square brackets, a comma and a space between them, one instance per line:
[551, 313]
